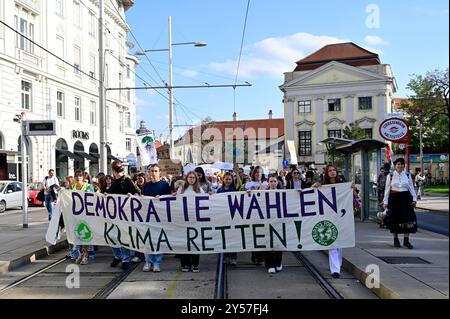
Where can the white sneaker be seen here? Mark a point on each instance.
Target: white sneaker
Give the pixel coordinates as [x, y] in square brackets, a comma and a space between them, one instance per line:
[271, 271]
[279, 268]
[156, 268]
[147, 267]
[135, 259]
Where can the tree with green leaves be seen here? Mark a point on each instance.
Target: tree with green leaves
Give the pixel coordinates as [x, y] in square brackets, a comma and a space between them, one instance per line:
[354, 132]
[429, 107]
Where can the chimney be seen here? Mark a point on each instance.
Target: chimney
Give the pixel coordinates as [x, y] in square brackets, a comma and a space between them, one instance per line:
[270, 114]
[161, 136]
[235, 116]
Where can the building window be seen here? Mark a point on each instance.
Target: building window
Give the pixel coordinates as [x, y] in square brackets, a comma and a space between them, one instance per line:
[77, 109]
[304, 143]
[128, 71]
[25, 30]
[77, 14]
[335, 133]
[128, 144]
[60, 8]
[60, 103]
[365, 103]
[127, 119]
[368, 132]
[334, 105]
[121, 122]
[107, 32]
[120, 86]
[106, 76]
[91, 24]
[26, 95]
[128, 96]
[93, 112]
[60, 50]
[121, 45]
[76, 59]
[92, 66]
[304, 106]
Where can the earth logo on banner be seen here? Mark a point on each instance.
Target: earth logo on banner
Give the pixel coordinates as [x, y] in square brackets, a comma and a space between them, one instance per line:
[83, 232]
[393, 129]
[325, 233]
[147, 148]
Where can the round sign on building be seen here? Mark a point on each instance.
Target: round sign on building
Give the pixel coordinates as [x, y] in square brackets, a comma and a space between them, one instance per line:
[394, 129]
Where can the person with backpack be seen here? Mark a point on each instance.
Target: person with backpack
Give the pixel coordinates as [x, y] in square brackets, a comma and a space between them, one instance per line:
[400, 199]
[122, 185]
[51, 186]
[420, 180]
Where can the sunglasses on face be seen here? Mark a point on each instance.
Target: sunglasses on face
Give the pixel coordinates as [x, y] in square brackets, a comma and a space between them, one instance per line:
[295, 173]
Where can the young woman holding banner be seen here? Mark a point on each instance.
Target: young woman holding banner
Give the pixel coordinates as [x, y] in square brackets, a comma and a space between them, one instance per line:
[191, 186]
[334, 255]
[272, 259]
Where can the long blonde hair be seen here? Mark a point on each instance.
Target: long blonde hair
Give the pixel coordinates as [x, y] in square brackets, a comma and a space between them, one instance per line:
[195, 187]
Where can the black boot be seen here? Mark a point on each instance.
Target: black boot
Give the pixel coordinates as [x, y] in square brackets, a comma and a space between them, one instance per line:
[397, 243]
[407, 244]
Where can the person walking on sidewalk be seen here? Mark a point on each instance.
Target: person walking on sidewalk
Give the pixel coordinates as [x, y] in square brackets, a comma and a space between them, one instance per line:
[122, 185]
[419, 181]
[191, 186]
[334, 255]
[155, 188]
[50, 188]
[400, 199]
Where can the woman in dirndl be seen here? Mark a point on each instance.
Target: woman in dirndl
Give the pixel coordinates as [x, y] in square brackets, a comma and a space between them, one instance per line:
[400, 199]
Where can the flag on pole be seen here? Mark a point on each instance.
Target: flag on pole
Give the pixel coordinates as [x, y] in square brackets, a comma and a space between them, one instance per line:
[146, 144]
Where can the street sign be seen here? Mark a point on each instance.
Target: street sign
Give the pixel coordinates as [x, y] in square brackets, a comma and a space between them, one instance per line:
[394, 129]
[39, 128]
[398, 115]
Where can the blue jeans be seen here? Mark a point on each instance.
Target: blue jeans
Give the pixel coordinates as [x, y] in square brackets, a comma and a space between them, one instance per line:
[122, 253]
[154, 259]
[49, 205]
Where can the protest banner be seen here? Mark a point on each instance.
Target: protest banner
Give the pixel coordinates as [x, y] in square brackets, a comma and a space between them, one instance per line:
[284, 220]
[147, 148]
[170, 167]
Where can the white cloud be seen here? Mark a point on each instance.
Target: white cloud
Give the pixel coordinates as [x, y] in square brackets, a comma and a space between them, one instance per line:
[189, 73]
[140, 102]
[274, 56]
[374, 40]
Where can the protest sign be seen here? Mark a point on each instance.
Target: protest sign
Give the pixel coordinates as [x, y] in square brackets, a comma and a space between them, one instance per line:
[147, 148]
[284, 220]
[170, 167]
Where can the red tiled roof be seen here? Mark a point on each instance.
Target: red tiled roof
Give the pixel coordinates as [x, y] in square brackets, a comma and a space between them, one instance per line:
[348, 53]
[158, 144]
[254, 129]
[399, 101]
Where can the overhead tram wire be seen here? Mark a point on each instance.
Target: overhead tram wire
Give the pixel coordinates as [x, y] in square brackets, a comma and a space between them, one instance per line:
[240, 55]
[49, 52]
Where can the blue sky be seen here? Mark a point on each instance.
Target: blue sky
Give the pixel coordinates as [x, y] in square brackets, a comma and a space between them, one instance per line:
[411, 36]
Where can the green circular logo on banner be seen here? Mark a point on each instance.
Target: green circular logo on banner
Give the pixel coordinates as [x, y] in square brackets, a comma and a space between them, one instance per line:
[325, 233]
[83, 232]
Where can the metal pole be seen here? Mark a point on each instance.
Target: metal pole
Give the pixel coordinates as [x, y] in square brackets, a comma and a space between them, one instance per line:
[172, 151]
[102, 91]
[420, 147]
[24, 173]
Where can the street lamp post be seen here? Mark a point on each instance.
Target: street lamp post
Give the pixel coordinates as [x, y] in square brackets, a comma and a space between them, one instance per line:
[170, 86]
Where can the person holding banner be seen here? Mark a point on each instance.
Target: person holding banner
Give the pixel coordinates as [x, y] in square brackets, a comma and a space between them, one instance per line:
[122, 185]
[228, 186]
[81, 184]
[155, 188]
[204, 184]
[256, 183]
[334, 255]
[191, 186]
[400, 199]
[295, 182]
[272, 259]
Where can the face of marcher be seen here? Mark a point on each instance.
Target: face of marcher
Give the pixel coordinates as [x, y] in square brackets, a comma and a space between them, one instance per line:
[296, 174]
[227, 180]
[332, 173]
[140, 180]
[399, 167]
[191, 179]
[273, 183]
[79, 178]
[154, 173]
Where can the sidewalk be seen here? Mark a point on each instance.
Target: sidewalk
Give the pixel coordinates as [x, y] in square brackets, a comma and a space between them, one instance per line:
[419, 273]
[433, 203]
[19, 246]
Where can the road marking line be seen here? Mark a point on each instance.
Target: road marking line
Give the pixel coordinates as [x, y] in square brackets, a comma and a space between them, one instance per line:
[173, 285]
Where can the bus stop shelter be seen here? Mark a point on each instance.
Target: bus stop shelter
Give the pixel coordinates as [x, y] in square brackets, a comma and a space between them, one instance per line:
[349, 148]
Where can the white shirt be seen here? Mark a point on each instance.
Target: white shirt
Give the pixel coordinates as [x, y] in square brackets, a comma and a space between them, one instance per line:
[189, 191]
[49, 182]
[256, 185]
[400, 183]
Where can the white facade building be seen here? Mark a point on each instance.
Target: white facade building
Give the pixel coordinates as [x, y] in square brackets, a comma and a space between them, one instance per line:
[45, 88]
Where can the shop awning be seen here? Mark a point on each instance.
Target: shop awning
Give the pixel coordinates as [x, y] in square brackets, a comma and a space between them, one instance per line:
[113, 158]
[66, 153]
[86, 156]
